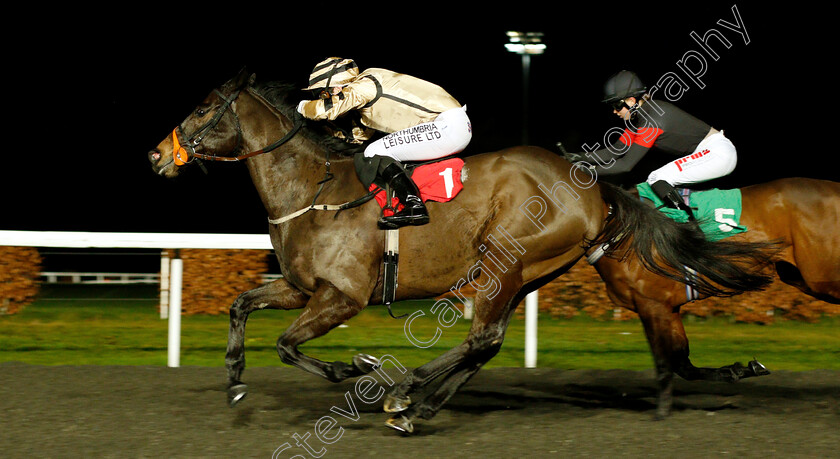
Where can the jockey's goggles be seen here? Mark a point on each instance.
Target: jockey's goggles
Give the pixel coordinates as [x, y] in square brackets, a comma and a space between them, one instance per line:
[618, 105]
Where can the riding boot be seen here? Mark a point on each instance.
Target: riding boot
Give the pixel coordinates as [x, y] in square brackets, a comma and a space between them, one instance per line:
[671, 197]
[414, 211]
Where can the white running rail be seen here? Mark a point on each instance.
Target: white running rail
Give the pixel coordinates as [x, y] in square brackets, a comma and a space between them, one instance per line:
[171, 270]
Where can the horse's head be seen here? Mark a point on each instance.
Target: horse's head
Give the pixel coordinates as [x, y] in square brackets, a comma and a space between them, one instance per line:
[211, 130]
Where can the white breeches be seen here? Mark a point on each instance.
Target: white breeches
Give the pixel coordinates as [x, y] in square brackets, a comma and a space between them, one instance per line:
[714, 157]
[448, 134]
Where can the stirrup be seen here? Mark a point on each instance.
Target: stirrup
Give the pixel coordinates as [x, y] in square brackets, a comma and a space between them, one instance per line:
[403, 187]
[411, 205]
[681, 205]
[397, 221]
[685, 208]
[671, 198]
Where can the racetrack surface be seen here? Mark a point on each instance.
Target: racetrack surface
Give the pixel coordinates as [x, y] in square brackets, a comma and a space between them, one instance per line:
[137, 411]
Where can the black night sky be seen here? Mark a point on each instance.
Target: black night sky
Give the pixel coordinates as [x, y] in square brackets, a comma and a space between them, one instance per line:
[90, 97]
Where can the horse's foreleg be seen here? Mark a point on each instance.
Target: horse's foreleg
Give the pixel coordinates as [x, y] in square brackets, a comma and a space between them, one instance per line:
[669, 345]
[327, 308]
[275, 295]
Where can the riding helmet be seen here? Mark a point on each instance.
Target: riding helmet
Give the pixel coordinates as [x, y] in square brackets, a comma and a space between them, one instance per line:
[333, 71]
[622, 85]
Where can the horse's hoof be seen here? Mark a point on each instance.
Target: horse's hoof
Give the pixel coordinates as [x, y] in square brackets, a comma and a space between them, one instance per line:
[236, 394]
[395, 404]
[733, 373]
[758, 368]
[365, 363]
[400, 423]
[338, 371]
[661, 414]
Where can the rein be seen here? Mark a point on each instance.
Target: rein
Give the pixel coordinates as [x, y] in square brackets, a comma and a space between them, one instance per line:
[182, 152]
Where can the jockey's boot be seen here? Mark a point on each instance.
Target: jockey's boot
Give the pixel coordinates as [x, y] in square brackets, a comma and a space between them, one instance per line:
[671, 197]
[414, 211]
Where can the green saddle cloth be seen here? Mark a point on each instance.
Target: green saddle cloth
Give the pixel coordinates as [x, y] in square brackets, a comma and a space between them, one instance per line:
[718, 212]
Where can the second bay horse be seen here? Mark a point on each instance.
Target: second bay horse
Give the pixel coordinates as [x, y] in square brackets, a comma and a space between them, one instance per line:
[802, 213]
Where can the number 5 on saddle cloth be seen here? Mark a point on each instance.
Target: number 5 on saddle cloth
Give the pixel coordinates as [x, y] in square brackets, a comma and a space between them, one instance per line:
[718, 212]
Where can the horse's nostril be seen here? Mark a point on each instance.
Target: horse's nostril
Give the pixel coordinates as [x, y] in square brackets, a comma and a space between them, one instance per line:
[154, 156]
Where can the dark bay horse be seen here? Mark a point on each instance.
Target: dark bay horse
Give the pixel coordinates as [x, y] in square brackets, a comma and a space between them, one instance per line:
[489, 236]
[802, 213]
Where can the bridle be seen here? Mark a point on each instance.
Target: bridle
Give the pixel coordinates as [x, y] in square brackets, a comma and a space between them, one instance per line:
[183, 152]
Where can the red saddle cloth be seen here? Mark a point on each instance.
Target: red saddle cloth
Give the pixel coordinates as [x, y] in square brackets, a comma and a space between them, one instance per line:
[439, 182]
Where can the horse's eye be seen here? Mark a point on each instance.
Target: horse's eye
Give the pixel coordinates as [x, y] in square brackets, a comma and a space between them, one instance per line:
[200, 111]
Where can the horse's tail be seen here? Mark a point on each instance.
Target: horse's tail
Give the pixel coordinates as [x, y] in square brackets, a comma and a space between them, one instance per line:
[680, 251]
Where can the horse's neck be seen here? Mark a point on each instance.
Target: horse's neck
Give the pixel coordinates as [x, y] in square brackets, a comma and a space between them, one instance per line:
[287, 178]
[288, 181]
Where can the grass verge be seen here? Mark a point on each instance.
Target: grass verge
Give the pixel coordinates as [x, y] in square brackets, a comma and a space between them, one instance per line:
[88, 327]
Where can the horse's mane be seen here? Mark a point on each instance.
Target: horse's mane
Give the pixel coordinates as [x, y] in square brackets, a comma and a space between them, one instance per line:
[284, 97]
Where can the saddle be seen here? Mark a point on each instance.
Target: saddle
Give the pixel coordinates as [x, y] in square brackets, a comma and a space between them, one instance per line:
[718, 212]
[438, 181]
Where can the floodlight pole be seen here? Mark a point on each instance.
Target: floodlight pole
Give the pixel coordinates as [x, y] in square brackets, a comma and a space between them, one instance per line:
[526, 44]
[526, 78]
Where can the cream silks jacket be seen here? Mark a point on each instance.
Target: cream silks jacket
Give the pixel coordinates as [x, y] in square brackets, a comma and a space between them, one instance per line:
[386, 101]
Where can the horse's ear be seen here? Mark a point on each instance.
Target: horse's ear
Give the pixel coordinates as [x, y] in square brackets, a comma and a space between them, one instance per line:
[242, 79]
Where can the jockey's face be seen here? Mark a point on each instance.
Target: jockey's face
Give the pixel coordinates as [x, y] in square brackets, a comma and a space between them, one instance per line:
[326, 93]
[623, 111]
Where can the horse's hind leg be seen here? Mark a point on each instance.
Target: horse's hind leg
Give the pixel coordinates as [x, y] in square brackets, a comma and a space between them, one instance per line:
[327, 308]
[275, 295]
[482, 349]
[462, 362]
[826, 289]
[399, 399]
